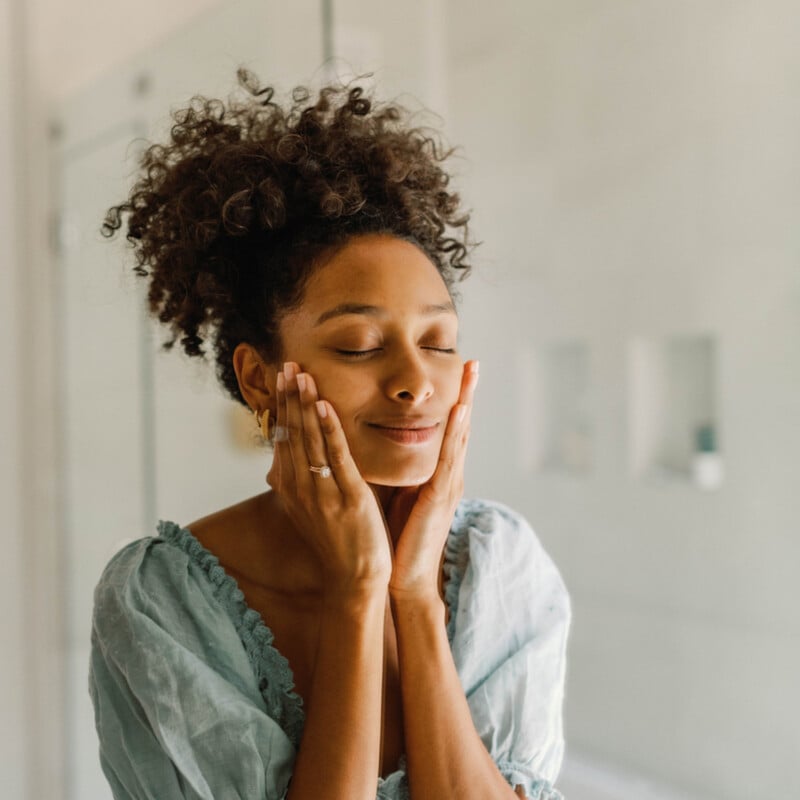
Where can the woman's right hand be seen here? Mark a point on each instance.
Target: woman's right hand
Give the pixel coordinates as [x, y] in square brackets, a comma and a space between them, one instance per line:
[338, 515]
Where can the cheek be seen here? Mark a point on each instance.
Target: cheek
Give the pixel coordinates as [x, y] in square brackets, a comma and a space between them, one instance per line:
[451, 383]
[348, 396]
[343, 391]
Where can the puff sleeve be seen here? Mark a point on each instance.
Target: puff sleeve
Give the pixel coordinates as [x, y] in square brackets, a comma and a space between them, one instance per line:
[509, 620]
[179, 709]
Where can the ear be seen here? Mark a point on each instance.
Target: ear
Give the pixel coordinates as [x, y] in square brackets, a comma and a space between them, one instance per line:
[257, 379]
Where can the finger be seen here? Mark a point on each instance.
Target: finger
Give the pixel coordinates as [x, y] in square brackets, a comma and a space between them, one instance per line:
[459, 418]
[469, 380]
[452, 454]
[282, 450]
[313, 437]
[459, 423]
[294, 424]
[453, 449]
[340, 459]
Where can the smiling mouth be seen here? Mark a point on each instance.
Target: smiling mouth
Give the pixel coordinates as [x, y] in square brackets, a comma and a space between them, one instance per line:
[410, 433]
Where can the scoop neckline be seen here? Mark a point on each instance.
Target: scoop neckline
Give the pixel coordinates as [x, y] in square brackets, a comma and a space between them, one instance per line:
[257, 637]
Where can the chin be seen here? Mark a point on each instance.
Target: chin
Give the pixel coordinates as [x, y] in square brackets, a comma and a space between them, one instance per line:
[397, 481]
[399, 476]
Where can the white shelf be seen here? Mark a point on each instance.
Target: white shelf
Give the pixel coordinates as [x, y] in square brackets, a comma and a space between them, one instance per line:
[673, 410]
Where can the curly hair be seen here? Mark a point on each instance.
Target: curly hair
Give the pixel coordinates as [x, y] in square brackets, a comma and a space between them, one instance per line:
[230, 217]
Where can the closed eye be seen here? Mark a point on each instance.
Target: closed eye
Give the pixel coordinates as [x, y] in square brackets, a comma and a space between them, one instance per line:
[357, 353]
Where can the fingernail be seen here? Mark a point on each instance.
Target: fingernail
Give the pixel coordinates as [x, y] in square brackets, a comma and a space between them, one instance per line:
[322, 409]
[281, 382]
[287, 370]
[462, 409]
[301, 382]
[476, 367]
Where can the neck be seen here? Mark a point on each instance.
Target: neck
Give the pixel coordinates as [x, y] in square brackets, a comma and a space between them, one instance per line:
[396, 503]
[384, 495]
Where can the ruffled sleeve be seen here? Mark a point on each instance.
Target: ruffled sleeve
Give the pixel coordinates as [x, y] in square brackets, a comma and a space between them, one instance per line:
[509, 619]
[182, 708]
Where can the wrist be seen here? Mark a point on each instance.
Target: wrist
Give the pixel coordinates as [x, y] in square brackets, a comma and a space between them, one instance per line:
[355, 596]
[417, 599]
[421, 587]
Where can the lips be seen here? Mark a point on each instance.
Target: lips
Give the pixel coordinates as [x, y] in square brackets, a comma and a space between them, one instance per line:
[406, 431]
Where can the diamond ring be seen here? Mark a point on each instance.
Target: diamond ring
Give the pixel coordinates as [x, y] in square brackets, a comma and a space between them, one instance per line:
[324, 471]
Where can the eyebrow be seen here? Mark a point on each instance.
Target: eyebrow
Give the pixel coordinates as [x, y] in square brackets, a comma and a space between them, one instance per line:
[376, 311]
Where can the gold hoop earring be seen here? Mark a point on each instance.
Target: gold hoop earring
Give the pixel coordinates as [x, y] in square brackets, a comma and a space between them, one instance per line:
[263, 422]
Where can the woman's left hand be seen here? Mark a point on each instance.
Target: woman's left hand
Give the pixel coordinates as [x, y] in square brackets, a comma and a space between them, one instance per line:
[424, 513]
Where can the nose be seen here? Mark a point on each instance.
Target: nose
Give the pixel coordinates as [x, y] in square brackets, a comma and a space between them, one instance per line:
[408, 380]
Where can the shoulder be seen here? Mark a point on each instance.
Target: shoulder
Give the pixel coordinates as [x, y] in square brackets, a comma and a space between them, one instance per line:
[488, 516]
[167, 582]
[493, 550]
[488, 528]
[141, 566]
[507, 599]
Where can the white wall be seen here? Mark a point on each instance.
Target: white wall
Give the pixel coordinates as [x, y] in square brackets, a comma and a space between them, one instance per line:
[74, 44]
[31, 581]
[634, 170]
[13, 726]
[403, 46]
[135, 420]
[633, 173]
[49, 50]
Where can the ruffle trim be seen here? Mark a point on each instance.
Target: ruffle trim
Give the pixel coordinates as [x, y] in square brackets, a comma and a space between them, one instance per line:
[275, 678]
[395, 785]
[536, 787]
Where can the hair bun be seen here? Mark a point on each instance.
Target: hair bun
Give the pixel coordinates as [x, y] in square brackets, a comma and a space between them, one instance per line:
[228, 217]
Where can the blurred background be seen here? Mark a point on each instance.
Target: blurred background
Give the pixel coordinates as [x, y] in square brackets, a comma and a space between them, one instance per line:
[634, 173]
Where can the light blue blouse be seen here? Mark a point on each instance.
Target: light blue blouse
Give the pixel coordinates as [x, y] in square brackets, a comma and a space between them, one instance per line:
[193, 701]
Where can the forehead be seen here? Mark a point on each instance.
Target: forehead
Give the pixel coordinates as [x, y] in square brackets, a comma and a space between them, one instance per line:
[375, 270]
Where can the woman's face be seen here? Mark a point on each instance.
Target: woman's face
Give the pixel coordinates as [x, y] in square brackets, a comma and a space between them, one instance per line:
[377, 331]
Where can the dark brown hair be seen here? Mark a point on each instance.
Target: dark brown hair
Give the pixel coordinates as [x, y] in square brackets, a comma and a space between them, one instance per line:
[229, 218]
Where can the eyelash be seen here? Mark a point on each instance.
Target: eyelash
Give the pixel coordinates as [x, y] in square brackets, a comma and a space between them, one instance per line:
[364, 353]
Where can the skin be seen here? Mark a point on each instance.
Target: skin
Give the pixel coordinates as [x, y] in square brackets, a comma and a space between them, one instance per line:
[372, 385]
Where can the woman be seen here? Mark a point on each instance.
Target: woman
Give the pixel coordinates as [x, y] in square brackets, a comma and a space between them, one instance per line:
[357, 628]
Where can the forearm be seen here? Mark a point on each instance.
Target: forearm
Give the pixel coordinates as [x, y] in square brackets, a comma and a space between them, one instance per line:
[339, 752]
[446, 758]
